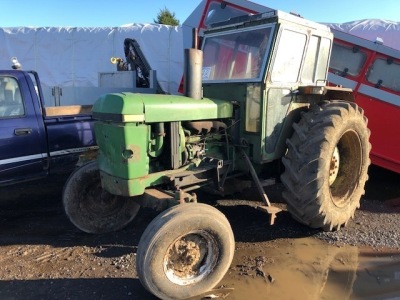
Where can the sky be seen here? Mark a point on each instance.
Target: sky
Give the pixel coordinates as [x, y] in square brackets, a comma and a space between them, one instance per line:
[103, 13]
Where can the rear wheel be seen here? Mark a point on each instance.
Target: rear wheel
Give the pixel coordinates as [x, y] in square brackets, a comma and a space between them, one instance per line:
[185, 251]
[326, 165]
[92, 209]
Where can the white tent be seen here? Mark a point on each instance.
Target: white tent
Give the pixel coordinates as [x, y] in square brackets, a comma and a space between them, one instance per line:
[73, 56]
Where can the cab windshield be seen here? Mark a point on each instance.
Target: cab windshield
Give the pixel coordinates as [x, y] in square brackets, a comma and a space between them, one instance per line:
[236, 55]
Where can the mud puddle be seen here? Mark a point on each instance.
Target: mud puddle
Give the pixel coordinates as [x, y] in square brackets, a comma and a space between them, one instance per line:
[307, 268]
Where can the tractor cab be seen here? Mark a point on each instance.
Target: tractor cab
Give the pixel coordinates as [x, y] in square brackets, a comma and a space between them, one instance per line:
[260, 62]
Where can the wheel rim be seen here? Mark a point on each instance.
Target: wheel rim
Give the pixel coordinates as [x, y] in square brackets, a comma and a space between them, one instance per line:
[191, 257]
[348, 168]
[99, 202]
[334, 166]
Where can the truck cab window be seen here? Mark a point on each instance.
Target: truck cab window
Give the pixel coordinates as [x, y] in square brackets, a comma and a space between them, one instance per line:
[10, 98]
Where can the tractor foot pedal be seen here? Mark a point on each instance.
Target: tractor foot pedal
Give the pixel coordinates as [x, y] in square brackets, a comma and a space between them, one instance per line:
[271, 210]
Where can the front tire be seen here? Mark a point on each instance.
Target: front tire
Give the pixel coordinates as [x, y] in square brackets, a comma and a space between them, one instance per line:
[185, 251]
[326, 165]
[92, 209]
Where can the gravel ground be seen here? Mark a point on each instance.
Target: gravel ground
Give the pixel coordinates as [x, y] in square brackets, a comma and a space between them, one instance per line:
[377, 222]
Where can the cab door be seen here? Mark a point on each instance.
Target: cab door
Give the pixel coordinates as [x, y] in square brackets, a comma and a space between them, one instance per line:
[22, 134]
[300, 59]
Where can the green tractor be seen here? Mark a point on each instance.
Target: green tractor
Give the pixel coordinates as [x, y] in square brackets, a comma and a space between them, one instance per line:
[256, 95]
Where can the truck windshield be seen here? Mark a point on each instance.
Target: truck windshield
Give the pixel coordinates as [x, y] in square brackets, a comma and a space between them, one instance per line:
[236, 55]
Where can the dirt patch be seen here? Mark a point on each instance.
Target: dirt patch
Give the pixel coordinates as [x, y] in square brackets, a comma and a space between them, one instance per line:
[43, 256]
[186, 256]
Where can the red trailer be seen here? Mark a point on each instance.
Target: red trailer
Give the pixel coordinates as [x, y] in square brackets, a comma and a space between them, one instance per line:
[371, 69]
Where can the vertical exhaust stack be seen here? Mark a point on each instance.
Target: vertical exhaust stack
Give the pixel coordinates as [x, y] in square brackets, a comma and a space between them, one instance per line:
[192, 79]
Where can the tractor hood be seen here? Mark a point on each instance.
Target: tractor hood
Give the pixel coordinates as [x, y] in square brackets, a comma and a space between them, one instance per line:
[133, 107]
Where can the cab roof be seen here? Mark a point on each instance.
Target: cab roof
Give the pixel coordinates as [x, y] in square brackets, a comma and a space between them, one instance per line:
[271, 16]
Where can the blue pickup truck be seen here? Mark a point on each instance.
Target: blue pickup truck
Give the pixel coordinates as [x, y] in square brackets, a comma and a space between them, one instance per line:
[36, 141]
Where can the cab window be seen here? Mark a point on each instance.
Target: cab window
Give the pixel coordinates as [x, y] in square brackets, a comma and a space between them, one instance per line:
[218, 12]
[10, 98]
[288, 57]
[236, 55]
[316, 60]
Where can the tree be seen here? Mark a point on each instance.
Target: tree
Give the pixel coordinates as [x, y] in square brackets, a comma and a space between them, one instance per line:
[166, 17]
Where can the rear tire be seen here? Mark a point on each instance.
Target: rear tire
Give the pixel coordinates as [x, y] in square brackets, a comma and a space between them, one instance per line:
[185, 251]
[326, 165]
[92, 209]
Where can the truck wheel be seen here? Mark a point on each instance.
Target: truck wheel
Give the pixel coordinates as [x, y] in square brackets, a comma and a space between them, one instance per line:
[185, 251]
[326, 165]
[92, 209]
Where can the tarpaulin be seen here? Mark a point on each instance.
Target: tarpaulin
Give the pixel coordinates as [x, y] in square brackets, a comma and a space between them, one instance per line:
[73, 56]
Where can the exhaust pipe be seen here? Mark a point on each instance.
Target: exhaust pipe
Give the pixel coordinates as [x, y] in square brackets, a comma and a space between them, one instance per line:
[192, 75]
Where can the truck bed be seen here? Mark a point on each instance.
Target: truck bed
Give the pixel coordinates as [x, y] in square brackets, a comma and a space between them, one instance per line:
[57, 111]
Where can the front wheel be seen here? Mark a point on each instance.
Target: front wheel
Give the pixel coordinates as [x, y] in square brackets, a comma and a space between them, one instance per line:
[92, 209]
[185, 251]
[326, 165]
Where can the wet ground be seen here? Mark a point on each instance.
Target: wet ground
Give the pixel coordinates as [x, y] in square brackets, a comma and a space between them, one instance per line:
[306, 268]
[42, 256]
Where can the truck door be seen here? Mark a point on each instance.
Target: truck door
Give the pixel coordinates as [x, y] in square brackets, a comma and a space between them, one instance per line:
[22, 135]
